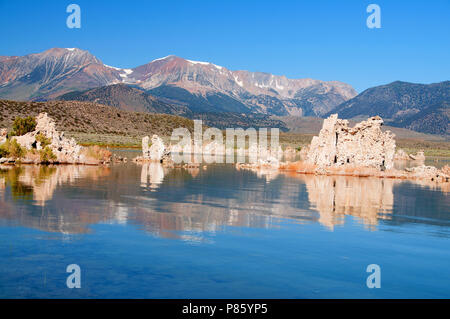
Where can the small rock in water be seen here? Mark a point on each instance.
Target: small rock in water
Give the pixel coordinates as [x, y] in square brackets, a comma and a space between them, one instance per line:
[419, 156]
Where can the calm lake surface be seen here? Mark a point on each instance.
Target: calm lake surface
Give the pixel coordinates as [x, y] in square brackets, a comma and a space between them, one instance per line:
[143, 231]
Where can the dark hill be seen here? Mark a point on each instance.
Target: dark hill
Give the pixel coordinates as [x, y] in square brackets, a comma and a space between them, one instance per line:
[126, 98]
[420, 107]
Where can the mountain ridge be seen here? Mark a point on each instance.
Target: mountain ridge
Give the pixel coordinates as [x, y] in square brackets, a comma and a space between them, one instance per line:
[54, 72]
[125, 97]
[422, 107]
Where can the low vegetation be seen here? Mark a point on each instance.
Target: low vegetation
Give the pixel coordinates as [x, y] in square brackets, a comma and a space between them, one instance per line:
[430, 148]
[91, 118]
[46, 155]
[22, 126]
[41, 138]
[12, 149]
[93, 124]
[97, 153]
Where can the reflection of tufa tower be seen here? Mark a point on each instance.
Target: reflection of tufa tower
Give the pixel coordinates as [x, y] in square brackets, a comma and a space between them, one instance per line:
[54, 214]
[152, 175]
[368, 199]
[43, 180]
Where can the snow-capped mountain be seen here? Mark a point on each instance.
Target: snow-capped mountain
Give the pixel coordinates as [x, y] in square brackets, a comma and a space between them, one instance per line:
[201, 86]
[259, 92]
[52, 72]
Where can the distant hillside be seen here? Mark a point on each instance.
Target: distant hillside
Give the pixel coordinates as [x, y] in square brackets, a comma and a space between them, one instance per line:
[207, 102]
[84, 117]
[420, 107]
[312, 125]
[434, 119]
[231, 120]
[87, 117]
[126, 98]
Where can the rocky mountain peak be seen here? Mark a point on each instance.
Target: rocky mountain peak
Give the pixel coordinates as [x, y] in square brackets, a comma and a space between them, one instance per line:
[57, 71]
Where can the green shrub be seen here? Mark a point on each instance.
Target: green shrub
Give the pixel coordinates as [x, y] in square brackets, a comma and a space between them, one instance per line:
[41, 138]
[3, 152]
[46, 155]
[22, 126]
[12, 149]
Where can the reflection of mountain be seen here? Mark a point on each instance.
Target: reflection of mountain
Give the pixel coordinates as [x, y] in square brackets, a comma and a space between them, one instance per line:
[189, 206]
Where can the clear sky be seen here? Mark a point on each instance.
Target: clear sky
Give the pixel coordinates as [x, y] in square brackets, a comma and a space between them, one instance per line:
[326, 40]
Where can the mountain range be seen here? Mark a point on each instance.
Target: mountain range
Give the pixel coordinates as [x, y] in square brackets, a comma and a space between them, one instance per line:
[220, 96]
[199, 86]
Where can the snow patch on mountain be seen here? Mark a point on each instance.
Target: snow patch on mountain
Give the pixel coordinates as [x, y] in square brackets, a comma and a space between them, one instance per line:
[206, 63]
[113, 67]
[163, 58]
[124, 72]
[198, 62]
[240, 83]
[279, 86]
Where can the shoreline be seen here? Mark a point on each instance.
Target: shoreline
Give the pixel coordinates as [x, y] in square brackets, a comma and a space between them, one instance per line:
[416, 173]
[438, 148]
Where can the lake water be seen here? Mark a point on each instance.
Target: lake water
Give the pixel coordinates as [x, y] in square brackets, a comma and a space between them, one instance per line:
[143, 231]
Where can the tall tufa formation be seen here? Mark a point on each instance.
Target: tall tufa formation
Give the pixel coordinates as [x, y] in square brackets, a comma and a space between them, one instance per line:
[156, 151]
[363, 145]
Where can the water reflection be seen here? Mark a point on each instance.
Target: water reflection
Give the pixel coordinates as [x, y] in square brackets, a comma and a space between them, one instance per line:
[187, 204]
[27, 197]
[152, 175]
[40, 182]
[368, 199]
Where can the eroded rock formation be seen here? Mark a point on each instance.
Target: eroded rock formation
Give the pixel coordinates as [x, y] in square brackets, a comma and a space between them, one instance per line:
[46, 145]
[66, 150]
[156, 152]
[430, 173]
[145, 147]
[363, 145]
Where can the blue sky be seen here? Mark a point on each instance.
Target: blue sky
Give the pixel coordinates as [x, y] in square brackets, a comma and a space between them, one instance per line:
[326, 40]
